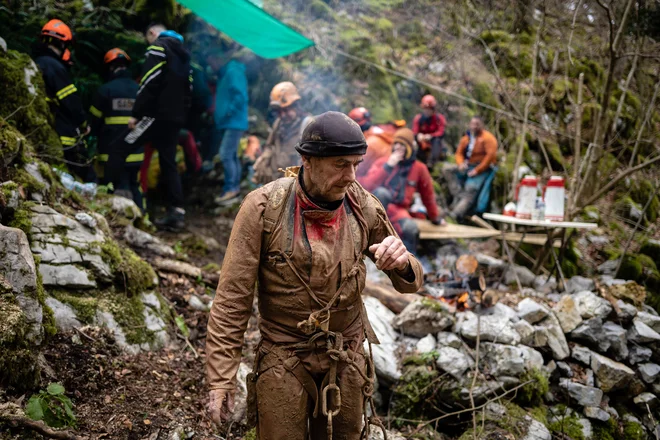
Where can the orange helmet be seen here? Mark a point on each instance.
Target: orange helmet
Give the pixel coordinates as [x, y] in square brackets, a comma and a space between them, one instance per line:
[283, 95]
[360, 115]
[428, 101]
[57, 29]
[115, 54]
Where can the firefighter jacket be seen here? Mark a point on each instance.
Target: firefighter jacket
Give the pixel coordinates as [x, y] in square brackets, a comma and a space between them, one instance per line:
[110, 112]
[297, 261]
[165, 91]
[62, 95]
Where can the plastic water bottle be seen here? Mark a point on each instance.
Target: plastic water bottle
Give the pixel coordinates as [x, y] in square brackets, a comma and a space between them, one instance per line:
[539, 209]
[67, 180]
[417, 206]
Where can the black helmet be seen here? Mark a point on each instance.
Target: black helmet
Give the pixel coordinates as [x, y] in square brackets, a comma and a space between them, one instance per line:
[332, 134]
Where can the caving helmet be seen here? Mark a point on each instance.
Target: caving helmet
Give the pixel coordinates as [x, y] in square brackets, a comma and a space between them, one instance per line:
[116, 54]
[283, 95]
[362, 116]
[429, 101]
[58, 30]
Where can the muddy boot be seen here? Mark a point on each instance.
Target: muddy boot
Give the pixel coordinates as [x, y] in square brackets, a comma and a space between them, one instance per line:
[173, 220]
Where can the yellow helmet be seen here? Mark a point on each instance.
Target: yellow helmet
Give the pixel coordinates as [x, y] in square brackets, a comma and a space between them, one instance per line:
[283, 95]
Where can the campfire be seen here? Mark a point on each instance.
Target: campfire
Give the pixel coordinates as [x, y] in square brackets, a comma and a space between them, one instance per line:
[465, 289]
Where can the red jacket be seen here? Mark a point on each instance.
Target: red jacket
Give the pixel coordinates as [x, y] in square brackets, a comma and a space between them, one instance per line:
[418, 180]
[435, 126]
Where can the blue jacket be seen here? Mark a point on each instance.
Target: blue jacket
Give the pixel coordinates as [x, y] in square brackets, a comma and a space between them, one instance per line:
[231, 98]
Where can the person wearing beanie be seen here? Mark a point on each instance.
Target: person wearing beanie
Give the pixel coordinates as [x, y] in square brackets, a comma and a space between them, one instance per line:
[395, 179]
[304, 239]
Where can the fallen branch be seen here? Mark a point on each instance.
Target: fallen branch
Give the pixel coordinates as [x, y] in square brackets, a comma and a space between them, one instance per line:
[38, 426]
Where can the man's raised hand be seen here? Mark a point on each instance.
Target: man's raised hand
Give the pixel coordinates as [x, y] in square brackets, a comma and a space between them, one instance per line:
[390, 254]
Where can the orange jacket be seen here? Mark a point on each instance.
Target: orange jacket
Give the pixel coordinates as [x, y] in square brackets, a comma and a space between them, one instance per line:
[379, 144]
[484, 153]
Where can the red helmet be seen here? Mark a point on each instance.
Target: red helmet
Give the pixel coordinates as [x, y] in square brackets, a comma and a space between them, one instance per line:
[360, 115]
[57, 29]
[428, 101]
[115, 54]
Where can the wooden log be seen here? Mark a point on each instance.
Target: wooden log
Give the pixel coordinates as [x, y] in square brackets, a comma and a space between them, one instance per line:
[390, 298]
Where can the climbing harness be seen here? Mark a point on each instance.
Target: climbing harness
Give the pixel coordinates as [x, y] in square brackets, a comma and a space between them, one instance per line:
[316, 326]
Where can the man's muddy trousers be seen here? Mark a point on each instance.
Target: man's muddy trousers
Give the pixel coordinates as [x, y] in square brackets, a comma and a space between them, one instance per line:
[284, 405]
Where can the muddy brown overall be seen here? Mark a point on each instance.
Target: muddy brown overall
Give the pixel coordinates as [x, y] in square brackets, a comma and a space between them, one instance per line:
[279, 150]
[313, 379]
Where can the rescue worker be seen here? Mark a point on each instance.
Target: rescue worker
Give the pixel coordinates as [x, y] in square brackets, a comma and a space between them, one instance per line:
[395, 179]
[279, 150]
[231, 121]
[109, 115]
[159, 112]
[379, 141]
[302, 240]
[61, 93]
[474, 171]
[429, 129]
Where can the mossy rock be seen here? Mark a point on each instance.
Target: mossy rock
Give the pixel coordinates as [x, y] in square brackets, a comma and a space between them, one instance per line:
[11, 143]
[567, 426]
[18, 360]
[414, 392]
[132, 274]
[23, 104]
[532, 394]
[640, 192]
[652, 249]
[633, 431]
[606, 430]
[631, 268]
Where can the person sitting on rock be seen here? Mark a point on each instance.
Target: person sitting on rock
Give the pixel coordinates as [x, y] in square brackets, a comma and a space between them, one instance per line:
[109, 115]
[395, 179]
[474, 171]
[379, 141]
[62, 94]
[429, 129]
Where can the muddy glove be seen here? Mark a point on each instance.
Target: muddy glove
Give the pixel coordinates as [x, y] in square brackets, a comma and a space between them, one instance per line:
[221, 405]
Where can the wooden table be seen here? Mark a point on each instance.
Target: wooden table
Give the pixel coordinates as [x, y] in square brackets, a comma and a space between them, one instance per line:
[549, 226]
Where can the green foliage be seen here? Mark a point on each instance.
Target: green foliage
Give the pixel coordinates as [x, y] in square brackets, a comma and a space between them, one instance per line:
[51, 406]
[22, 219]
[633, 431]
[568, 426]
[631, 268]
[533, 393]
[181, 323]
[414, 395]
[84, 306]
[321, 11]
[251, 434]
[605, 430]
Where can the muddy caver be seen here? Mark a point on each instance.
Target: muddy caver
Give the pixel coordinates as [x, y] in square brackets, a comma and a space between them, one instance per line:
[304, 239]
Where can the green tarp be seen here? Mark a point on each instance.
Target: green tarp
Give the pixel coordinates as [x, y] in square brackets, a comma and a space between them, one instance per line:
[250, 26]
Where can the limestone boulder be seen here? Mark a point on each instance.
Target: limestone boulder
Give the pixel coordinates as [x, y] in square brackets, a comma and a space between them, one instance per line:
[611, 375]
[490, 328]
[591, 305]
[140, 239]
[556, 340]
[18, 272]
[582, 394]
[653, 321]
[454, 362]
[385, 359]
[567, 313]
[579, 284]
[641, 333]
[531, 311]
[420, 318]
[591, 333]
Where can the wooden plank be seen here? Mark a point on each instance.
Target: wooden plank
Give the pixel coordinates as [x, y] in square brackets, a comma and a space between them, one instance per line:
[429, 231]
